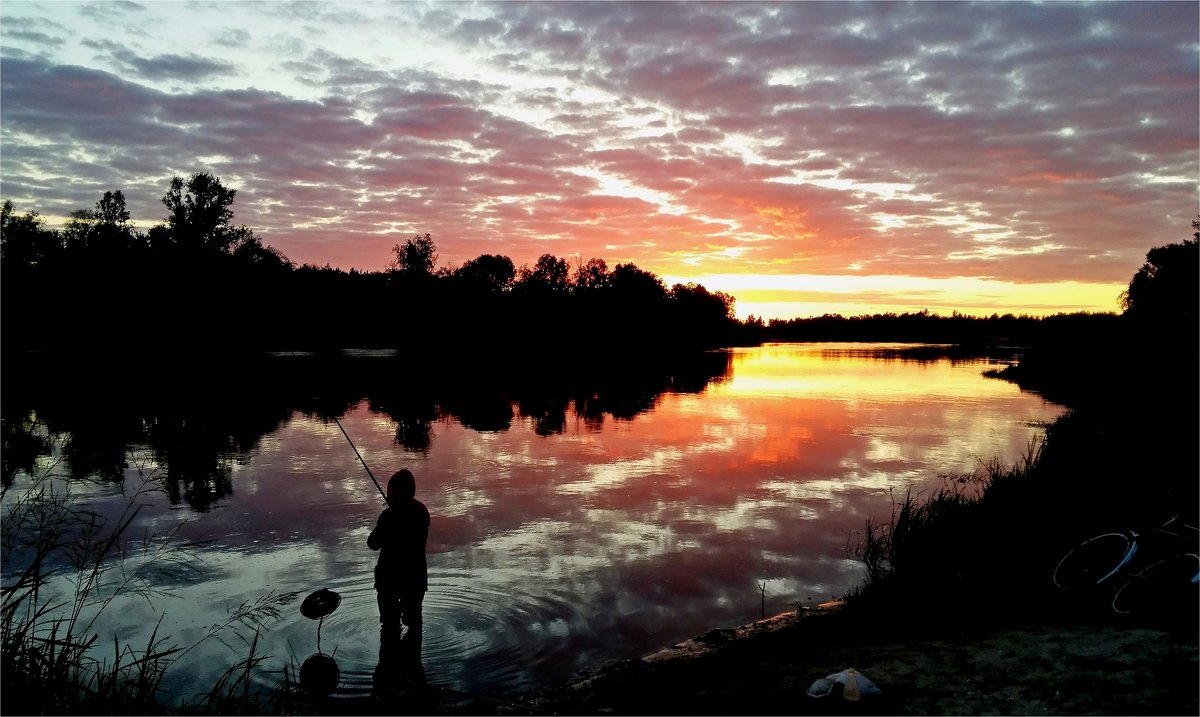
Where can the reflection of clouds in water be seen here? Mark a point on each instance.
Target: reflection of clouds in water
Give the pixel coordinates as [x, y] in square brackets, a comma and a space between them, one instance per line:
[651, 529]
[464, 500]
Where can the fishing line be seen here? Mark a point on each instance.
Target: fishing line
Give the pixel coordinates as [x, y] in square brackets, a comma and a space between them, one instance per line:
[360, 458]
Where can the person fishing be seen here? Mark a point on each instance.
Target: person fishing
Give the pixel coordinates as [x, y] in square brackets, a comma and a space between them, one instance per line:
[401, 574]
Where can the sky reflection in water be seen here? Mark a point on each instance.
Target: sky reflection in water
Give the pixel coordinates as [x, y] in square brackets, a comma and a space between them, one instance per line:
[550, 554]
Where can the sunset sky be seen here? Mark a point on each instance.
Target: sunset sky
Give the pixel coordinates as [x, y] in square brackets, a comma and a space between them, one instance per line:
[804, 157]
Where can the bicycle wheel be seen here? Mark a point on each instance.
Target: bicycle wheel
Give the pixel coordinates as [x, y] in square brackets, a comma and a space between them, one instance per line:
[1169, 585]
[1094, 560]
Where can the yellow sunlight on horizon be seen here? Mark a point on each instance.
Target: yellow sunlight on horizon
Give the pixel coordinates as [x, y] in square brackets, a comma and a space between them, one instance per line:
[781, 296]
[838, 371]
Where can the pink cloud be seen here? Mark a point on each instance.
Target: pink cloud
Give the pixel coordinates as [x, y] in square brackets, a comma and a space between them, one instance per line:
[921, 130]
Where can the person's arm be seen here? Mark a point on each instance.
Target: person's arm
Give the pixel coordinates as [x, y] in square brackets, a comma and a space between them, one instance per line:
[375, 539]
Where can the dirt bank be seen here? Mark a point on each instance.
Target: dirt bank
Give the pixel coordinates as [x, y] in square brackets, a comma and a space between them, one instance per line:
[1091, 664]
[1087, 668]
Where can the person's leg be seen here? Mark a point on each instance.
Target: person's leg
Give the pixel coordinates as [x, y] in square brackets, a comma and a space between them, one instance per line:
[389, 609]
[389, 603]
[410, 607]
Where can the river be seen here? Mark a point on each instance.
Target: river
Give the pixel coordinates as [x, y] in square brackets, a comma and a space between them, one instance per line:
[588, 521]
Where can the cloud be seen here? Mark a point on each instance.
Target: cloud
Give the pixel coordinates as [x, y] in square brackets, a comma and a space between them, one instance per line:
[33, 31]
[188, 67]
[1021, 142]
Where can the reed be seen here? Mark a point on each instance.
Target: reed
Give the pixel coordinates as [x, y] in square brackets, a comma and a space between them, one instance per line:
[956, 544]
[64, 567]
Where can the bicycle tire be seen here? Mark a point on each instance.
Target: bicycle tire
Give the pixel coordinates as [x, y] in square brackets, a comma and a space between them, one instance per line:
[1163, 587]
[1094, 560]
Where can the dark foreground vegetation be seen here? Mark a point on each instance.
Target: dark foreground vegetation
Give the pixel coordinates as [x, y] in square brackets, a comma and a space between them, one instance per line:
[973, 556]
[1127, 455]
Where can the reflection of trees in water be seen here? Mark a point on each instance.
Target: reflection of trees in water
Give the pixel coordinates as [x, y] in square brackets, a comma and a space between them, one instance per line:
[414, 412]
[484, 398]
[488, 411]
[24, 443]
[201, 489]
[195, 428]
[548, 411]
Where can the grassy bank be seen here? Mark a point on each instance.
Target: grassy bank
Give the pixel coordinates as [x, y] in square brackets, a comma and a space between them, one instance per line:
[982, 548]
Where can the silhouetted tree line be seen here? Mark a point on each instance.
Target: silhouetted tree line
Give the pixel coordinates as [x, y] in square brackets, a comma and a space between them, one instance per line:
[197, 281]
[969, 332]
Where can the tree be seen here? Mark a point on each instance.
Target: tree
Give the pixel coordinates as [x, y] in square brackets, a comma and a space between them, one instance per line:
[636, 284]
[25, 242]
[111, 209]
[490, 273]
[549, 272]
[696, 301]
[592, 275]
[77, 231]
[199, 212]
[106, 227]
[249, 250]
[416, 257]
[1167, 286]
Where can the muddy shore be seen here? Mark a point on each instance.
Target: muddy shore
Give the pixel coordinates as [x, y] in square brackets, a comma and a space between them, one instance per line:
[1069, 664]
[1060, 669]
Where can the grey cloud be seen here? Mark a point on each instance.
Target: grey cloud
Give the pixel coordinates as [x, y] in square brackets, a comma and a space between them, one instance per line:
[145, 131]
[175, 67]
[37, 94]
[339, 72]
[318, 14]
[470, 30]
[233, 37]
[111, 13]
[189, 67]
[32, 30]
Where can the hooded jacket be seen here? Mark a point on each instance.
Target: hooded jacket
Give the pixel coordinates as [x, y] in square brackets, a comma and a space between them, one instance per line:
[400, 536]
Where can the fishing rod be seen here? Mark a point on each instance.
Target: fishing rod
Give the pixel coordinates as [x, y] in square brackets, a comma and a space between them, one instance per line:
[360, 460]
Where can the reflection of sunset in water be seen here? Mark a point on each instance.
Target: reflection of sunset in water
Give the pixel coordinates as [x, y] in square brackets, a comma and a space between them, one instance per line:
[815, 370]
[551, 553]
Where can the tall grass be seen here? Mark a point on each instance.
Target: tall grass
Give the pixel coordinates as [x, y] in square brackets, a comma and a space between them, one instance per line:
[64, 567]
[971, 540]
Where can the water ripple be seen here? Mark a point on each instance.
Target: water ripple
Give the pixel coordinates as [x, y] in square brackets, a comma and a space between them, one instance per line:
[477, 636]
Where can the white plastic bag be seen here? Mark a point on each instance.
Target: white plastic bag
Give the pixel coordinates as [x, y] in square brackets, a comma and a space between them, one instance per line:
[855, 685]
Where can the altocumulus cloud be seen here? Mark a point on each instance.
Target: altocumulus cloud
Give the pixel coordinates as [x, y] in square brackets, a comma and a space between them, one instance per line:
[1008, 142]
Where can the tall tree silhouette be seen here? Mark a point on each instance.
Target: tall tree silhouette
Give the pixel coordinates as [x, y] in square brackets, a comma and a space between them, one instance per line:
[199, 212]
[1167, 287]
[415, 257]
[105, 229]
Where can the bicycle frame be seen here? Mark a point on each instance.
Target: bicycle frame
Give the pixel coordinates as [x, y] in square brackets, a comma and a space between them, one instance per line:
[1138, 545]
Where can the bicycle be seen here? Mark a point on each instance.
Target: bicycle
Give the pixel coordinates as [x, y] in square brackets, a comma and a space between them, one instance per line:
[1147, 569]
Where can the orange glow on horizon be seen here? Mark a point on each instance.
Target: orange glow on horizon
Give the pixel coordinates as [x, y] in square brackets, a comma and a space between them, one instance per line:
[801, 296]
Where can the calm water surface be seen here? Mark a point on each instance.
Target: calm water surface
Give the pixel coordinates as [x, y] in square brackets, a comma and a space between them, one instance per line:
[554, 551]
